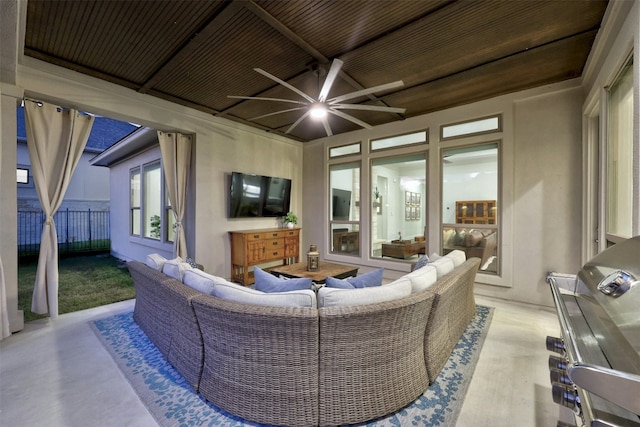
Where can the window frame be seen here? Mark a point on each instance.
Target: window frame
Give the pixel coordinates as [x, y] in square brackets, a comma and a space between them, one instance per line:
[498, 223]
[164, 206]
[470, 134]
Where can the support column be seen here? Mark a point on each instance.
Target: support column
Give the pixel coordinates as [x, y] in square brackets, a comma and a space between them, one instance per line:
[10, 98]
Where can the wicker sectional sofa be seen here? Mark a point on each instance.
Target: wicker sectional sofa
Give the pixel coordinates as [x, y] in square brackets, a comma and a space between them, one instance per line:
[305, 366]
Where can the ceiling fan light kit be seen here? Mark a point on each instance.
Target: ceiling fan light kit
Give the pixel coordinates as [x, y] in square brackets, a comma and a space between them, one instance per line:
[319, 108]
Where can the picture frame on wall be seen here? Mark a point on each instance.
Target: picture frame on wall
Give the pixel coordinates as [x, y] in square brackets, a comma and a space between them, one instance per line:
[407, 197]
[407, 212]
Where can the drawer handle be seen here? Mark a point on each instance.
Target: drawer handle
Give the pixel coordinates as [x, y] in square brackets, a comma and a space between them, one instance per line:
[256, 236]
[274, 243]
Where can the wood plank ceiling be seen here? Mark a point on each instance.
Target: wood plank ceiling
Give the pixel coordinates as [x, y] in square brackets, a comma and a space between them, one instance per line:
[196, 53]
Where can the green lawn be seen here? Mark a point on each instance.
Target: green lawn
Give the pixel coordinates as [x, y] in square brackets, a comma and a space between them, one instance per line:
[84, 282]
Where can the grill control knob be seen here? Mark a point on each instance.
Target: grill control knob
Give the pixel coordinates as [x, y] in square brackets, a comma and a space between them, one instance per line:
[566, 396]
[557, 363]
[559, 377]
[555, 344]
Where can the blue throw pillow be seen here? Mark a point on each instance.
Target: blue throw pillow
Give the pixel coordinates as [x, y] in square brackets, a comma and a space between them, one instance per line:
[332, 282]
[267, 282]
[424, 260]
[366, 280]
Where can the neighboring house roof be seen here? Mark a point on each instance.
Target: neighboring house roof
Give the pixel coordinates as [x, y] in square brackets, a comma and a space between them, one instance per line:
[104, 133]
[131, 144]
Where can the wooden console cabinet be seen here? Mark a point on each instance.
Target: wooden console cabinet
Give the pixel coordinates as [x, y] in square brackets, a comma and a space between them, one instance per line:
[253, 247]
[476, 212]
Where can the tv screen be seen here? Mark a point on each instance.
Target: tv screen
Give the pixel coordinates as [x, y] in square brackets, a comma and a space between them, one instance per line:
[254, 196]
[341, 201]
[277, 196]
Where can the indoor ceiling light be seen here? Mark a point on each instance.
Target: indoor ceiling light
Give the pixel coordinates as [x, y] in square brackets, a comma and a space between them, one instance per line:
[318, 110]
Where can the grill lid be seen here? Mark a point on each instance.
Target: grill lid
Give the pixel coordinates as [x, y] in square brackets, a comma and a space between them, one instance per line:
[612, 279]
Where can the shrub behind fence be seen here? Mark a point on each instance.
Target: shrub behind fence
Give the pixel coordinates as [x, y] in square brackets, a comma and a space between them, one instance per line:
[78, 231]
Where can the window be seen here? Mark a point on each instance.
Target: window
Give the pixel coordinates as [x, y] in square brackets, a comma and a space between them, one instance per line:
[470, 203]
[22, 176]
[399, 140]
[398, 206]
[151, 212]
[152, 201]
[471, 127]
[344, 150]
[134, 201]
[344, 185]
[619, 153]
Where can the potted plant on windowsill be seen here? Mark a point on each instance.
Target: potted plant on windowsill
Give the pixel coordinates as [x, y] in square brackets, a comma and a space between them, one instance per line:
[290, 220]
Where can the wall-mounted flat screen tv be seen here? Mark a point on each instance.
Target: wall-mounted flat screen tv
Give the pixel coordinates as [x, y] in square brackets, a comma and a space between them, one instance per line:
[254, 196]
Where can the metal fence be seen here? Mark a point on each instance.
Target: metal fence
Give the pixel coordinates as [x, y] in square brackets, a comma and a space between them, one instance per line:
[78, 231]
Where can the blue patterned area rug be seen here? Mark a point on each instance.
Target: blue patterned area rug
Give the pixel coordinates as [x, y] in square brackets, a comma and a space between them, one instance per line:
[172, 402]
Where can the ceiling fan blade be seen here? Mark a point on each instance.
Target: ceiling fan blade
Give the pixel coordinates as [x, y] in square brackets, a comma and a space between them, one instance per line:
[304, 116]
[261, 98]
[368, 108]
[277, 112]
[285, 84]
[327, 127]
[350, 118]
[363, 92]
[331, 77]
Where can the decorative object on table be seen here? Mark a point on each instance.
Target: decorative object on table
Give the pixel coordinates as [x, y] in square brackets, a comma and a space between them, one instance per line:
[313, 258]
[290, 220]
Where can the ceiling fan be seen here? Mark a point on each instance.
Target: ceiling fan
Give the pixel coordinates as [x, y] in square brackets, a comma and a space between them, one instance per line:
[320, 107]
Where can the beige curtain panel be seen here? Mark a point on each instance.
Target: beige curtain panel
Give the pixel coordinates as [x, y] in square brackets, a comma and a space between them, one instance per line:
[56, 138]
[176, 158]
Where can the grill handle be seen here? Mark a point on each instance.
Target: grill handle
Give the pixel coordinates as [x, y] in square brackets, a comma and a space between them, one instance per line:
[618, 387]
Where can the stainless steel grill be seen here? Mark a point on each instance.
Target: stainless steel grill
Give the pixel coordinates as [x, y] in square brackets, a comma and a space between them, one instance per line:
[597, 370]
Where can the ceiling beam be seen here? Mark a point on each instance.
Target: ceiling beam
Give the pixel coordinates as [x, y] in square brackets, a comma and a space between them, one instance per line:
[191, 46]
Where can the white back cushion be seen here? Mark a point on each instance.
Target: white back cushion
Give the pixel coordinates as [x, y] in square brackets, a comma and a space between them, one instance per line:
[422, 278]
[200, 281]
[155, 261]
[175, 268]
[458, 257]
[336, 297]
[233, 292]
[443, 266]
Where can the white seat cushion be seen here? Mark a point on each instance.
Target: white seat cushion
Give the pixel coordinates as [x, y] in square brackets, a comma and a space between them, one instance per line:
[335, 297]
[233, 292]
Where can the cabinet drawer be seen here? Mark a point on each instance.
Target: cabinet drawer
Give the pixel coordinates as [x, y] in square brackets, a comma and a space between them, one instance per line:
[273, 244]
[255, 236]
[276, 234]
[274, 253]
